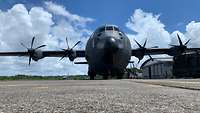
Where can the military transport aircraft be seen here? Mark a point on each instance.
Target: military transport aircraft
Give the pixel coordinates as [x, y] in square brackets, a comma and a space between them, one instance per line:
[108, 52]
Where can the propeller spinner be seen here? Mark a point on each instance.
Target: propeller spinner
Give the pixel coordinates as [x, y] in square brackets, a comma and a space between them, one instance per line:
[32, 50]
[69, 52]
[142, 51]
[181, 47]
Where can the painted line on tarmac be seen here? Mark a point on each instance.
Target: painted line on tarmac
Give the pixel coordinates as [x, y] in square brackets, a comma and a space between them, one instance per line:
[169, 85]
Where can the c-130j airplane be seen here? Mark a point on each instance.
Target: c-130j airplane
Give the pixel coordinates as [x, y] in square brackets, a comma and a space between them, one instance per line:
[108, 52]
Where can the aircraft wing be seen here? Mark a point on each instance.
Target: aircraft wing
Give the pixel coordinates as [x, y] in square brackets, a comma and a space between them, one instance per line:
[193, 49]
[79, 53]
[157, 51]
[152, 51]
[14, 54]
[172, 51]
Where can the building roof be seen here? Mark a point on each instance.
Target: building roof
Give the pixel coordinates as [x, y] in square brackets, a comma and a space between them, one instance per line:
[149, 62]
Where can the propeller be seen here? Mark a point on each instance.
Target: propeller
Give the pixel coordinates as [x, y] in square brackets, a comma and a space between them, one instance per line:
[69, 51]
[31, 50]
[142, 50]
[182, 47]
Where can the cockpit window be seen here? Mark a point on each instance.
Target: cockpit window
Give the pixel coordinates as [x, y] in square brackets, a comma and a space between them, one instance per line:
[116, 29]
[102, 29]
[109, 28]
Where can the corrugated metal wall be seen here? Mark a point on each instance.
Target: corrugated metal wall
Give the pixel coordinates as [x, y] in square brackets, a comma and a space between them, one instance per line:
[158, 70]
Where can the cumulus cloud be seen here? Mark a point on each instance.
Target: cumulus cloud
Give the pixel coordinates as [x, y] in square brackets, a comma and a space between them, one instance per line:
[192, 32]
[174, 39]
[60, 10]
[20, 25]
[65, 29]
[146, 25]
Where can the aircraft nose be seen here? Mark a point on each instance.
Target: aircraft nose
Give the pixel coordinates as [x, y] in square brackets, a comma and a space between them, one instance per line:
[111, 44]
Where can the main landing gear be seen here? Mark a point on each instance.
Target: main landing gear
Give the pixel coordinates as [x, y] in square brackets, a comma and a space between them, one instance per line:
[91, 74]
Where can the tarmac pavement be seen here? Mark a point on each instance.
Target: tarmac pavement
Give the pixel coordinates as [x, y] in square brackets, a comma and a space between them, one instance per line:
[99, 96]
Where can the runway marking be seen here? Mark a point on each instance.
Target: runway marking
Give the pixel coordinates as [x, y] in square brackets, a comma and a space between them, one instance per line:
[177, 84]
[183, 82]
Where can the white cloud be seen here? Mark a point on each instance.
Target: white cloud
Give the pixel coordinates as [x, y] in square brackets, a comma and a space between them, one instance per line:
[174, 38]
[65, 29]
[20, 25]
[192, 32]
[60, 10]
[147, 25]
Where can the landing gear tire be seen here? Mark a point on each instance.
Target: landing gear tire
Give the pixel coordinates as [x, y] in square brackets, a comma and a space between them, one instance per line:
[105, 77]
[91, 74]
[120, 75]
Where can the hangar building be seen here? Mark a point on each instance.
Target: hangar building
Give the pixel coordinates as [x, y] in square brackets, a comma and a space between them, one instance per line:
[157, 69]
[186, 65]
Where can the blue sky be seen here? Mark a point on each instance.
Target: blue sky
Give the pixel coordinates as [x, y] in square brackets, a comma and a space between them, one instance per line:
[52, 20]
[175, 14]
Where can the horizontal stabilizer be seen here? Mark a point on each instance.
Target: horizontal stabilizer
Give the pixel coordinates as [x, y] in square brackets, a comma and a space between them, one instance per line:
[131, 62]
[80, 62]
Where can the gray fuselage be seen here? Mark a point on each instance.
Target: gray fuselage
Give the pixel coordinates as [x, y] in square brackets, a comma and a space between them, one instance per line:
[108, 50]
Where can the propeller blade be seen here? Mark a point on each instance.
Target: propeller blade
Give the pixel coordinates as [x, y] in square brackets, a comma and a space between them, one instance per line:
[75, 44]
[29, 61]
[150, 57]
[187, 42]
[67, 43]
[63, 56]
[32, 42]
[145, 43]
[139, 61]
[24, 45]
[132, 65]
[40, 46]
[138, 43]
[179, 39]
[154, 47]
[172, 45]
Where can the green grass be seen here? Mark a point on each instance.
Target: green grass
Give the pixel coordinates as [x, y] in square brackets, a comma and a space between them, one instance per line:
[74, 77]
[28, 77]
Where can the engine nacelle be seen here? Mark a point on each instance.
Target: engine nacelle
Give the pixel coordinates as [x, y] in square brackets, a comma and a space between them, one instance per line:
[37, 55]
[72, 55]
[177, 50]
